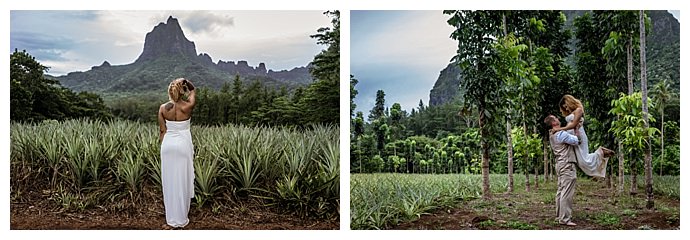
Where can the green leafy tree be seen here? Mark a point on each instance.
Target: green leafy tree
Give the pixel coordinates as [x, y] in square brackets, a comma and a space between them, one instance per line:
[630, 124]
[235, 106]
[378, 110]
[474, 55]
[396, 117]
[321, 99]
[26, 75]
[508, 66]
[353, 94]
[35, 97]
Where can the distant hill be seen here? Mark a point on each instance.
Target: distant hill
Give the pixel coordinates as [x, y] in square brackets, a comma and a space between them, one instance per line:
[663, 57]
[167, 55]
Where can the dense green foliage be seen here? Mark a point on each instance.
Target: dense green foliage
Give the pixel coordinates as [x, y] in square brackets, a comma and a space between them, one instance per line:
[321, 102]
[629, 124]
[34, 97]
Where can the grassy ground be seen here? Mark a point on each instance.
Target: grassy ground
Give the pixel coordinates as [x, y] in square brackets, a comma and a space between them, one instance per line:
[595, 207]
[397, 201]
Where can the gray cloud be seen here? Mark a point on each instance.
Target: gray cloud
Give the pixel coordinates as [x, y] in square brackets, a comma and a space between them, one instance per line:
[56, 15]
[207, 22]
[41, 46]
[401, 52]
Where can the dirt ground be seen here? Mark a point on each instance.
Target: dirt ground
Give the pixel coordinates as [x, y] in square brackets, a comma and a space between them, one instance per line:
[595, 207]
[37, 212]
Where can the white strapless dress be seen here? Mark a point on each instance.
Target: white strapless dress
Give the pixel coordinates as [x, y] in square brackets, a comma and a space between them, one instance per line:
[592, 164]
[177, 172]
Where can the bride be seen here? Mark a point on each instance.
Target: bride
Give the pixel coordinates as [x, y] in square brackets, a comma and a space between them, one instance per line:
[177, 152]
[592, 164]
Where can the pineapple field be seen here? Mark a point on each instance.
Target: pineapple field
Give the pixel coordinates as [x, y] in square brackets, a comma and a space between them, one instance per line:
[92, 174]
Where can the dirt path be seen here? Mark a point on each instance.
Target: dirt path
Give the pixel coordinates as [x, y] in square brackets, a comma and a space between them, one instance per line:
[44, 214]
[596, 207]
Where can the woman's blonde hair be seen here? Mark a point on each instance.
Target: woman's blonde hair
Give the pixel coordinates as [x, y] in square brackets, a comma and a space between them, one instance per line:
[571, 102]
[176, 90]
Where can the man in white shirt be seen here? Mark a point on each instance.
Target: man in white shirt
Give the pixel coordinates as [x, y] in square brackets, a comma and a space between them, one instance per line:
[563, 145]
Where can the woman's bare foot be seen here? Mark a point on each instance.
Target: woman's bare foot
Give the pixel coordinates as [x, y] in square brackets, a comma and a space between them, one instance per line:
[167, 227]
[569, 223]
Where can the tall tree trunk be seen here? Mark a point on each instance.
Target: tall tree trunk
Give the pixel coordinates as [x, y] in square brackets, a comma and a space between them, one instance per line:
[509, 129]
[484, 133]
[633, 160]
[524, 153]
[621, 168]
[645, 111]
[510, 155]
[633, 176]
[630, 65]
[608, 178]
[536, 166]
[395, 153]
[536, 176]
[661, 166]
[524, 126]
[359, 152]
[546, 159]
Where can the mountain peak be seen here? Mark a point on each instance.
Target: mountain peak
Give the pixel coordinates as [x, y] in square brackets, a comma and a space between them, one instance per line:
[168, 53]
[167, 39]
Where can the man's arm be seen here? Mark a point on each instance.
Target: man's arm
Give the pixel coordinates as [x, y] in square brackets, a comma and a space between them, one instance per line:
[565, 137]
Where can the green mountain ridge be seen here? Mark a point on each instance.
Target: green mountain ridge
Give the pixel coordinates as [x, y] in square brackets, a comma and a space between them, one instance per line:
[168, 55]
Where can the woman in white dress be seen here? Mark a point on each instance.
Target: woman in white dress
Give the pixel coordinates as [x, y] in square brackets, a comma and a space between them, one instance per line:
[177, 152]
[592, 164]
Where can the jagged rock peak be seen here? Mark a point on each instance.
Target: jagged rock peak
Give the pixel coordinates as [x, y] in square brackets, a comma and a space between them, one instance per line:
[167, 39]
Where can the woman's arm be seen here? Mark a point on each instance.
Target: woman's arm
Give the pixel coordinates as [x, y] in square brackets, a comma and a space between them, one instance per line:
[161, 125]
[192, 98]
[577, 115]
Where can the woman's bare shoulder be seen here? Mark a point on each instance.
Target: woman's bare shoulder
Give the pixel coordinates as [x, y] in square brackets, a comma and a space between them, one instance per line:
[166, 106]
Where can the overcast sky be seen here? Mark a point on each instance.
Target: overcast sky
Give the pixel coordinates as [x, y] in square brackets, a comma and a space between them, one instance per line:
[70, 41]
[401, 52]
